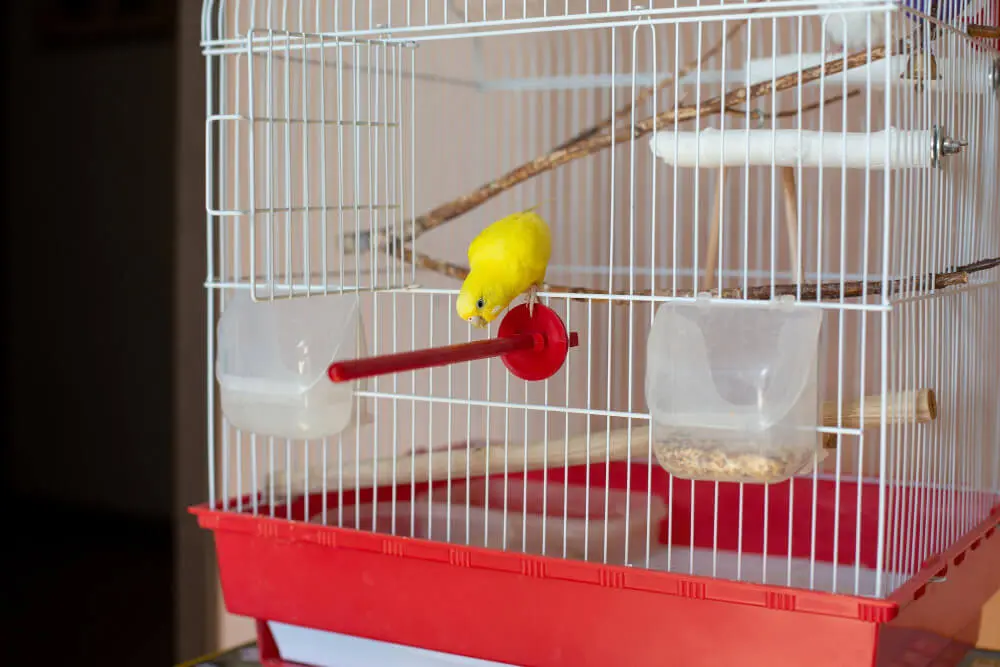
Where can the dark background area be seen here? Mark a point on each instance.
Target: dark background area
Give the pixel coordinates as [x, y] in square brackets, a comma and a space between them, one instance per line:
[90, 129]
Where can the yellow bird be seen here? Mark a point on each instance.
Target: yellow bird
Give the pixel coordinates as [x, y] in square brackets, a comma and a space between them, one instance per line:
[507, 259]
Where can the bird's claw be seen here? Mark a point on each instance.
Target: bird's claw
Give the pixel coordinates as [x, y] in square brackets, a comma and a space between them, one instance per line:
[532, 300]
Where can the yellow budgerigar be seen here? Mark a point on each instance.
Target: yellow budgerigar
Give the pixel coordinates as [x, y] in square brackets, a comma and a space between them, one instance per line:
[507, 259]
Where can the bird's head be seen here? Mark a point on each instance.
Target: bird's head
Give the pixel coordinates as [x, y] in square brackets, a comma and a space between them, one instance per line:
[476, 303]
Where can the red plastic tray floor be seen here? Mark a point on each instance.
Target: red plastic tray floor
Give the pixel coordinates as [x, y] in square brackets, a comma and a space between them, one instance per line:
[548, 612]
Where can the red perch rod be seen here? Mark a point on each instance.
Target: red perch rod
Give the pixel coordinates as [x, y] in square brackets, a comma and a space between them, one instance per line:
[344, 371]
[532, 348]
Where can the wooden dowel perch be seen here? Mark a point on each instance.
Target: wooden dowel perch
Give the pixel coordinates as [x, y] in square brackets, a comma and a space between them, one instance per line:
[978, 31]
[916, 407]
[788, 191]
[715, 221]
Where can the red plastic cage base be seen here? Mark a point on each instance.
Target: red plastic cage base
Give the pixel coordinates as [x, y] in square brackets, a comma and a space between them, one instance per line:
[548, 612]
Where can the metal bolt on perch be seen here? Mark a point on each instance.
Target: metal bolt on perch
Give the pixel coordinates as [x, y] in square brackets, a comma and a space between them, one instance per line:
[531, 347]
[944, 145]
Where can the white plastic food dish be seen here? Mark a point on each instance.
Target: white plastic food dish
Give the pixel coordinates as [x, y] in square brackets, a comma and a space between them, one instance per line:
[732, 389]
[272, 362]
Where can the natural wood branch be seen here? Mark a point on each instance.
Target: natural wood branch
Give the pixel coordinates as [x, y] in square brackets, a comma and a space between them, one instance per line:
[601, 140]
[544, 163]
[789, 113]
[354, 245]
[914, 407]
[981, 265]
[649, 91]
[825, 291]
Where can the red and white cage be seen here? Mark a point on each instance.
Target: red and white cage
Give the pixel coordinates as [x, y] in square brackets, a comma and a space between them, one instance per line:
[769, 432]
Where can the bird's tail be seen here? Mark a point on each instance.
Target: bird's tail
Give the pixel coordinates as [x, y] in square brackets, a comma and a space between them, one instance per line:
[538, 205]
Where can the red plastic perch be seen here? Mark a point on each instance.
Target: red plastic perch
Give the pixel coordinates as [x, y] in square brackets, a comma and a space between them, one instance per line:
[532, 348]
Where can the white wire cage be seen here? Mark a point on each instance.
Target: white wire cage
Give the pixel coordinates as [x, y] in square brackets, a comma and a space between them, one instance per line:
[864, 188]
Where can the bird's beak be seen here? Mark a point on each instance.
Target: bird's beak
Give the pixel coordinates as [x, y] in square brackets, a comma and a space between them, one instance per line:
[477, 321]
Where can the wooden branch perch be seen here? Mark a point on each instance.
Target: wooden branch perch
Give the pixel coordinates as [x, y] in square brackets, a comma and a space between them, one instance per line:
[825, 291]
[790, 113]
[649, 91]
[599, 139]
[915, 407]
[588, 146]
[543, 163]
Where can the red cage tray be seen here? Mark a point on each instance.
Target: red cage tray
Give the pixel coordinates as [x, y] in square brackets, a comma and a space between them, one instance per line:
[548, 612]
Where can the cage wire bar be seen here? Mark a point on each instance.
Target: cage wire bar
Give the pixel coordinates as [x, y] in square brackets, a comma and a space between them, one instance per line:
[331, 126]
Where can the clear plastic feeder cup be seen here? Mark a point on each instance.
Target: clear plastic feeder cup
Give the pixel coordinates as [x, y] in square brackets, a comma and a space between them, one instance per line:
[732, 389]
[272, 361]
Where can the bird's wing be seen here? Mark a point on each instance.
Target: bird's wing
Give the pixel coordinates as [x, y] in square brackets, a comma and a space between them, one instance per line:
[494, 242]
[520, 239]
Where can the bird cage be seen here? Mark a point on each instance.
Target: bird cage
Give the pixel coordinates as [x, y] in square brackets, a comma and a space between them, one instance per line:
[753, 420]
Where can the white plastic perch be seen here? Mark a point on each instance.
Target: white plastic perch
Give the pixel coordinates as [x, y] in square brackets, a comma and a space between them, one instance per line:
[710, 148]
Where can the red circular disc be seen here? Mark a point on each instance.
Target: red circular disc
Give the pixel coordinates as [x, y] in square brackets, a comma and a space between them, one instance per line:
[533, 365]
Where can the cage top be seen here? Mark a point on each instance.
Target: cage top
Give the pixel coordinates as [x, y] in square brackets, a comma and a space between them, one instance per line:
[229, 22]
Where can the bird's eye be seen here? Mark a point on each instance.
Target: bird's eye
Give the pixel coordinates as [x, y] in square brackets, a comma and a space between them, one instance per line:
[480, 303]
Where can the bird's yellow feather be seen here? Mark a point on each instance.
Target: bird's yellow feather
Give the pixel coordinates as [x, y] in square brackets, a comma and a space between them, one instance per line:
[505, 260]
